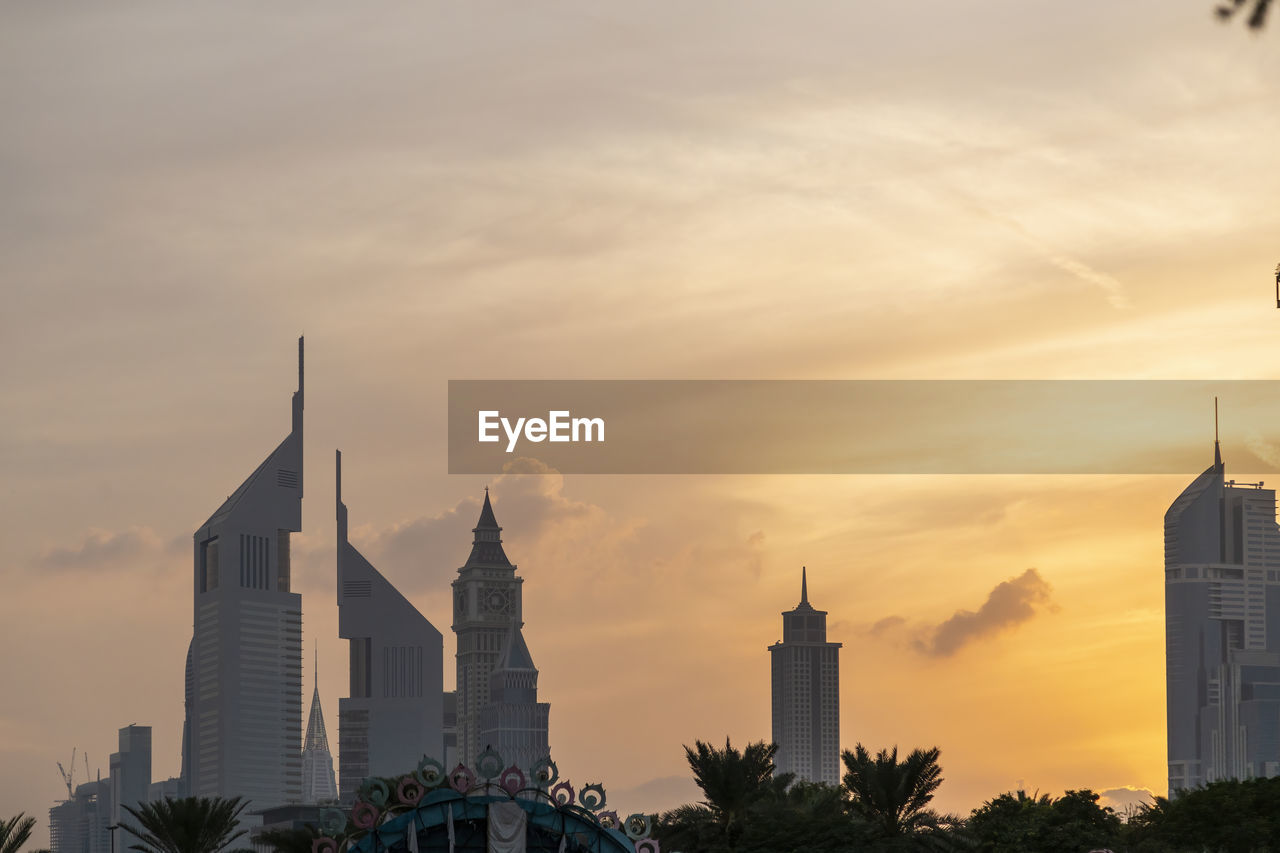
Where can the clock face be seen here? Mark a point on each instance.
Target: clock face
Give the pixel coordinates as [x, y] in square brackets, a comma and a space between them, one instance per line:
[460, 603]
[496, 601]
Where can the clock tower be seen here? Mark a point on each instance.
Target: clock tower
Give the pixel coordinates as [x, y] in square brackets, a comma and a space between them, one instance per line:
[486, 608]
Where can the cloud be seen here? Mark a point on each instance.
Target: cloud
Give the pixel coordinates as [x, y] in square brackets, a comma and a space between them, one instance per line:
[1113, 289]
[1126, 798]
[658, 794]
[101, 549]
[1008, 605]
[1265, 450]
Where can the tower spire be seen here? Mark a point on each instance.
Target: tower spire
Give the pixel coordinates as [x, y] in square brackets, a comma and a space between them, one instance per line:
[804, 586]
[487, 519]
[1217, 449]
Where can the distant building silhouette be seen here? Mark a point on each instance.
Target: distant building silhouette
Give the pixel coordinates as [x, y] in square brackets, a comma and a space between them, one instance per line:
[496, 701]
[806, 694]
[79, 824]
[318, 782]
[130, 772]
[244, 666]
[1222, 631]
[393, 716]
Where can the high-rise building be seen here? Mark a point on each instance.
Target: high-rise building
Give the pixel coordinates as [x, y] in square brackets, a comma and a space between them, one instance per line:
[130, 771]
[806, 694]
[486, 611]
[514, 722]
[318, 782]
[244, 669]
[79, 824]
[1222, 630]
[393, 716]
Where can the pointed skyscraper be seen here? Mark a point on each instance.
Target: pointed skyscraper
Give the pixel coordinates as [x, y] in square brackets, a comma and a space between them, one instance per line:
[1222, 630]
[806, 694]
[244, 698]
[394, 714]
[318, 782]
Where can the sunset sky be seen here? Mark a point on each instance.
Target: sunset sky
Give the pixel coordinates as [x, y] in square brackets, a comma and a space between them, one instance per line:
[756, 190]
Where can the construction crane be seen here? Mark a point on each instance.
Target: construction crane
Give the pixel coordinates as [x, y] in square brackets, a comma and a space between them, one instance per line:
[68, 774]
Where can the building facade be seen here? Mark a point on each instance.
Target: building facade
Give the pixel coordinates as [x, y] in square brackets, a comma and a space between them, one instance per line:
[1222, 631]
[243, 729]
[806, 694]
[514, 722]
[487, 618]
[394, 712]
[79, 823]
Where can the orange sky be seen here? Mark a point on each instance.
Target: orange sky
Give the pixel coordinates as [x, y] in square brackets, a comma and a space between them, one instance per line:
[742, 190]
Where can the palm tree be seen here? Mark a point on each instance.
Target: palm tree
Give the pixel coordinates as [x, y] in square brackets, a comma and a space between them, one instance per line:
[733, 784]
[892, 796]
[731, 781]
[189, 825]
[14, 832]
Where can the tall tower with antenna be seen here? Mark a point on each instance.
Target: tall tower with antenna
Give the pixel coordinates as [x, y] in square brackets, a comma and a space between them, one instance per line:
[806, 694]
[1222, 629]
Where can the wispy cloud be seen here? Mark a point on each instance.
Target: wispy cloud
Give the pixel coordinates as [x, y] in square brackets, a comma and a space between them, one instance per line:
[103, 549]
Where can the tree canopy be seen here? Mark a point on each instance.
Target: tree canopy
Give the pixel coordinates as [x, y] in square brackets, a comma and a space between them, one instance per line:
[187, 825]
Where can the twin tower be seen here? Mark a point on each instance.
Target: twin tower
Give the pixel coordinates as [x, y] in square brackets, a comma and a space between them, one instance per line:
[243, 730]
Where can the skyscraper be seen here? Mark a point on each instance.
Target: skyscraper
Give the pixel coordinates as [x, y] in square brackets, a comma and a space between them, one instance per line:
[244, 665]
[486, 610]
[130, 771]
[1222, 630]
[318, 782]
[394, 713]
[806, 694]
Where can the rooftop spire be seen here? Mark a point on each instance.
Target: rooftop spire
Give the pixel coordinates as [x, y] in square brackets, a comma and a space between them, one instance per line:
[804, 585]
[487, 545]
[317, 738]
[487, 520]
[1217, 449]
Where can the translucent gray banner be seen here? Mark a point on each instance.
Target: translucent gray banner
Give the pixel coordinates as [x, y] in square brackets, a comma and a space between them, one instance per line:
[863, 426]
